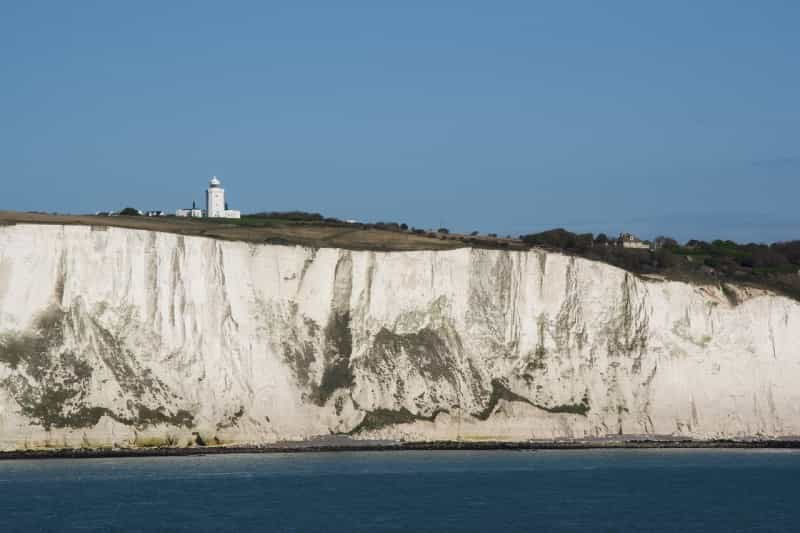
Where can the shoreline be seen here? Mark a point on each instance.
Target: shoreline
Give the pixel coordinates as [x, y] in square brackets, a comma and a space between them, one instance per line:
[310, 447]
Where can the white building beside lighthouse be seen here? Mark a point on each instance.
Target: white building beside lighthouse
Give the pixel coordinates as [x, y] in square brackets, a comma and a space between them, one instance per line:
[215, 201]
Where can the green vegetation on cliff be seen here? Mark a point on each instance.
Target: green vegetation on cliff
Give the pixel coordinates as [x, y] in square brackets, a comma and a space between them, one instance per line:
[773, 267]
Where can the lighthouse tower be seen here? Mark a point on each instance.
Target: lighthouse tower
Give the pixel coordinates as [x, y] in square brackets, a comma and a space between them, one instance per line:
[215, 199]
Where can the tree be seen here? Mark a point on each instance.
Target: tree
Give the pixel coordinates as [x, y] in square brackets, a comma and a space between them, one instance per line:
[443, 230]
[601, 239]
[724, 244]
[583, 242]
[665, 242]
[665, 258]
[556, 238]
[790, 250]
[130, 211]
[763, 257]
[701, 245]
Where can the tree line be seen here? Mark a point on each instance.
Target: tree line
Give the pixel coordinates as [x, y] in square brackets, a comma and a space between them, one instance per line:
[775, 266]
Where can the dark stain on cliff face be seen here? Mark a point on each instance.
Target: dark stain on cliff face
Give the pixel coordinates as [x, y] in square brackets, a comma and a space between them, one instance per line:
[569, 331]
[306, 265]
[500, 391]
[232, 419]
[628, 335]
[535, 362]
[429, 360]
[540, 354]
[730, 294]
[29, 350]
[338, 337]
[299, 345]
[300, 355]
[146, 416]
[380, 418]
[338, 348]
[476, 383]
[61, 278]
[52, 385]
[133, 378]
[45, 382]
[425, 349]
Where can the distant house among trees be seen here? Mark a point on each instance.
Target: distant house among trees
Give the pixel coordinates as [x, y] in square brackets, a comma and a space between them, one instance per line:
[629, 240]
[192, 212]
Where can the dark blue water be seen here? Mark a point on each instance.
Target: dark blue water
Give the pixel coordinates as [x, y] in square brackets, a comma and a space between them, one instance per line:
[624, 490]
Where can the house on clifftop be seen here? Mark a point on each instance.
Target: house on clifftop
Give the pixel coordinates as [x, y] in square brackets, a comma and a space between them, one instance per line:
[629, 240]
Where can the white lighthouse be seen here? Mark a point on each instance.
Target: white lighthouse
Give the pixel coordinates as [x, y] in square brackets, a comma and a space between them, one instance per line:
[215, 201]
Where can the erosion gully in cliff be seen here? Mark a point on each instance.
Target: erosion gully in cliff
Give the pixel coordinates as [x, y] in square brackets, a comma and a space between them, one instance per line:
[122, 337]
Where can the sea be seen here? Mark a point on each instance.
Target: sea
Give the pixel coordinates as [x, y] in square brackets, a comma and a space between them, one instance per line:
[493, 491]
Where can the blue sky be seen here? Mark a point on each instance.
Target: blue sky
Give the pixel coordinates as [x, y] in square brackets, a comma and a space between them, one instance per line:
[679, 118]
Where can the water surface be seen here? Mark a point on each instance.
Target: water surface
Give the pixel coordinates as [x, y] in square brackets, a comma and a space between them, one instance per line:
[599, 490]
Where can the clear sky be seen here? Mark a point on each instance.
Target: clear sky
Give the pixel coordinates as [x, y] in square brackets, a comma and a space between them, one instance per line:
[678, 117]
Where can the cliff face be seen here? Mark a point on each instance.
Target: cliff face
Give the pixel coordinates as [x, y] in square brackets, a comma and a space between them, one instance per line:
[114, 336]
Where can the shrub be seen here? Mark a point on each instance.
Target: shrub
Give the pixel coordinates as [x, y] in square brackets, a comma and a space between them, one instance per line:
[291, 215]
[556, 238]
[583, 242]
[790, 250]
[665, 258]
[665, 242]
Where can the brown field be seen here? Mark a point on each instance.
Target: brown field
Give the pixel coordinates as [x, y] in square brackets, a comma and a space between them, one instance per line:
[271, 231]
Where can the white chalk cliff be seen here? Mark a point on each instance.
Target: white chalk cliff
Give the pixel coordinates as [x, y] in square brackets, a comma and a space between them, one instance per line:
[124, 337]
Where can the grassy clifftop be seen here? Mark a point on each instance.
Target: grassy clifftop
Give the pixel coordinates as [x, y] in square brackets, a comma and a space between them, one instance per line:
[278, 229]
